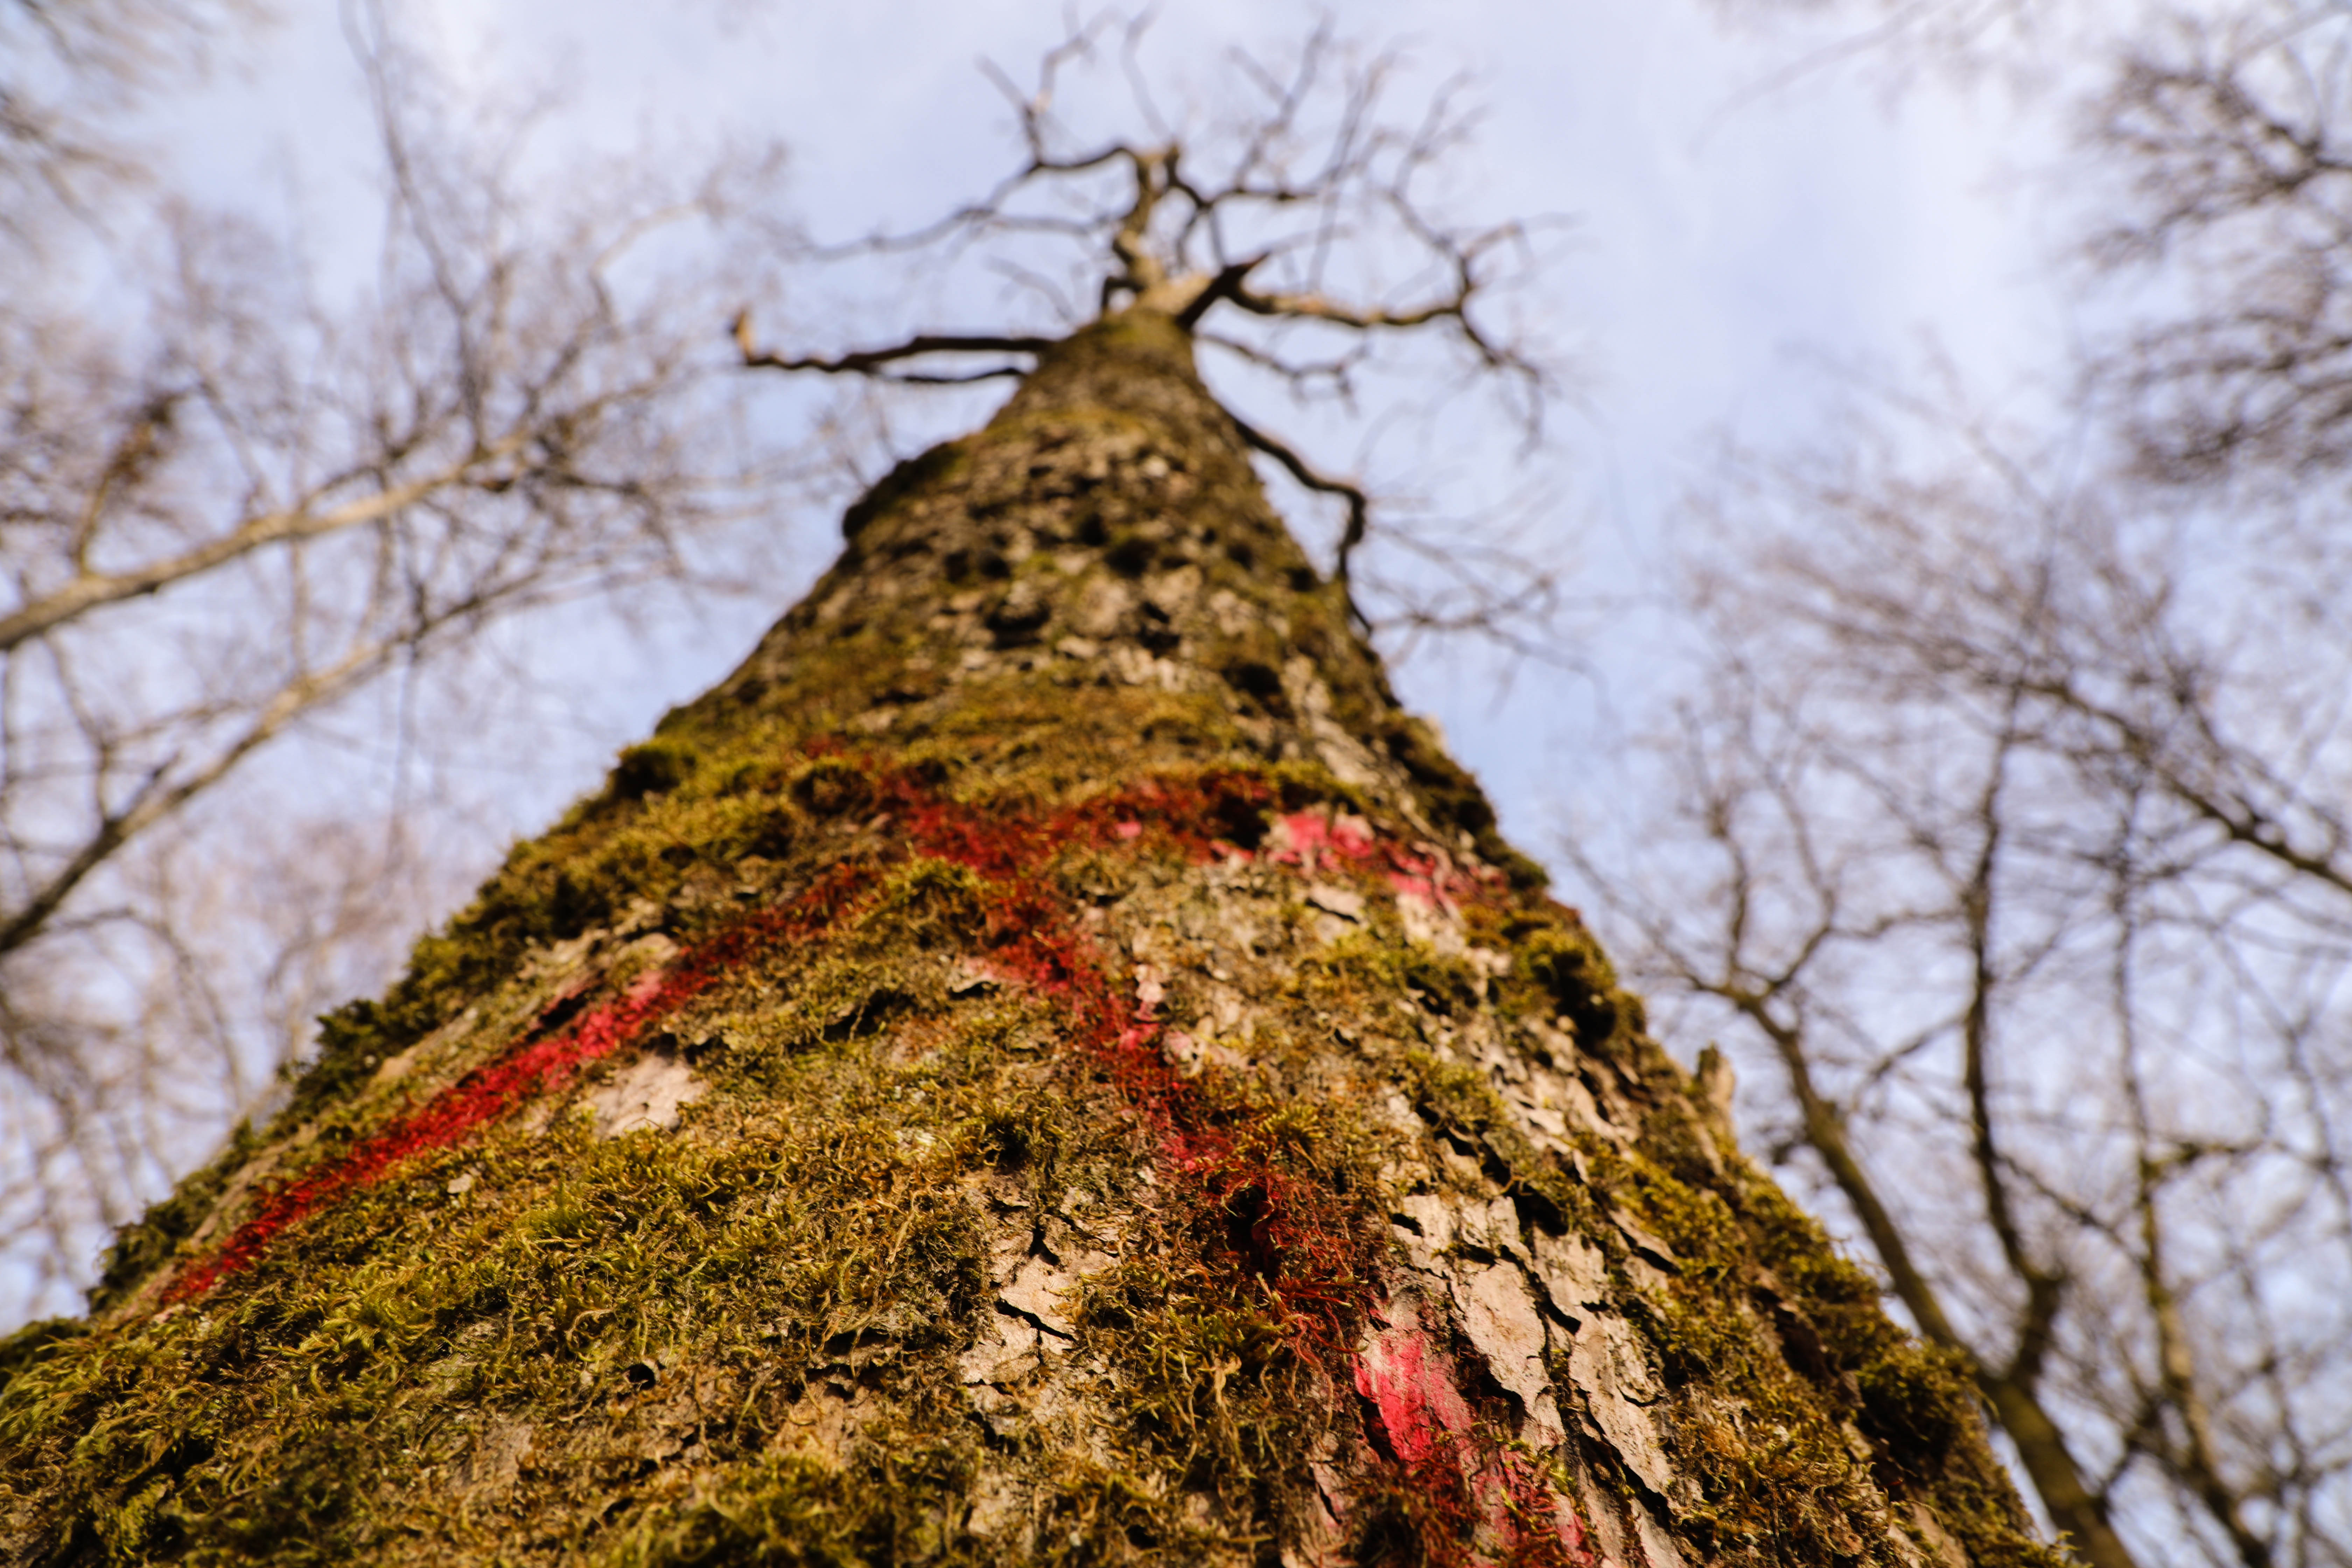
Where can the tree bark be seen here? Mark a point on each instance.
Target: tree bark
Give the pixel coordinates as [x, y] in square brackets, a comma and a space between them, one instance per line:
[1046, 1062]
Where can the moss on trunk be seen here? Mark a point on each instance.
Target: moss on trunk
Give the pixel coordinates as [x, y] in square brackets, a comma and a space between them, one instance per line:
[1045, 1063]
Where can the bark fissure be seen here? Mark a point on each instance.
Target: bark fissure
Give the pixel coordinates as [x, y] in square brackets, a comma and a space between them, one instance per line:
[1045, 1063]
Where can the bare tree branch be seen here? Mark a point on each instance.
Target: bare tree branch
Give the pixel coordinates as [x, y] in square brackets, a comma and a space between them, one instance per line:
[228, 516]
[1233, 237]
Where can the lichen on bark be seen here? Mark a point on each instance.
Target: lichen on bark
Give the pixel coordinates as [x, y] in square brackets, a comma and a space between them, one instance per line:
[1047, 1062]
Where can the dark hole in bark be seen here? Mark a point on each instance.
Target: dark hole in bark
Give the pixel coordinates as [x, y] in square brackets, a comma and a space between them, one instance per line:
[1018, 617]
[560, 1013]
[655, 768]
[832, 788]
[1538, 1210]
[1800, 1344]
[1009, 1145]
[1259, 681]
[1130, 555]
[866, 1016]
[1385, 1534]
[769, 837]
[1242, 821]
[573, 906]
[1247, 1213]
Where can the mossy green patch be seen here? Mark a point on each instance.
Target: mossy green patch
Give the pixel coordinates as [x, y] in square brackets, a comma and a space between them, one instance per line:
[889, 1504]
[141, 1247]
[1567, 968]
[956, 1256]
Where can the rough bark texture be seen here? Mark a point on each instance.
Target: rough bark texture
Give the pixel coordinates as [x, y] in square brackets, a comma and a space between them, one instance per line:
[1046, 1063]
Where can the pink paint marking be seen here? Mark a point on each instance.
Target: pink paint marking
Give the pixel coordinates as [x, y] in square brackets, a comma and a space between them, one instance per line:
[1303, 1254]
[1312, 839]
[1037, 945]
[1409, 1379]
[1032, 941]
[1411, 1382]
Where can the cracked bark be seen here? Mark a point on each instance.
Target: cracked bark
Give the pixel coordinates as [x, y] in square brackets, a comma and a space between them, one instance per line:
[1046, 1062]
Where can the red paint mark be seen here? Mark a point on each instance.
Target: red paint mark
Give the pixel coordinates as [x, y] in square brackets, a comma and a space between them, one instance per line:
[532, 1068]
[1304, 1248]
[1030, 927]
[1305, 1251]
[448, 1117]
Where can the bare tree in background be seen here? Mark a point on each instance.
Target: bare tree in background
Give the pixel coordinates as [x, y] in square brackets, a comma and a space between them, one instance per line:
[2012, 848]
[231, 510]
[248, 513]
[2234, 137]
[67, 71]
[2018, 42]
[1293, 224]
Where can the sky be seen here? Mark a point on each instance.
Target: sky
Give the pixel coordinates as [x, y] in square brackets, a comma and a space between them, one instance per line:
[1733, 254]
[1731, 258]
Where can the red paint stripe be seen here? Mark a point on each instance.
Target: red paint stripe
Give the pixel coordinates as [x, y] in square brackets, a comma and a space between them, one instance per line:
[1304, 1248]
[532, 1068]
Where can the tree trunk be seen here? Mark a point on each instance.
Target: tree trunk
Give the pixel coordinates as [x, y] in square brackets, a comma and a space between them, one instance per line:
[1045, 1063]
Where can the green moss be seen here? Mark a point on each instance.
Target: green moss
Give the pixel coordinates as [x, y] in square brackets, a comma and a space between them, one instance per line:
[1780, 1339]
[928, 469]
[595, 1258]
[24, 1347]
[1444, 783]
[1365, 971]
[1453, 1094]
[1207, 1388]
[1914, 1399]
[1299, 783]
[1567, 970]
[790, 1511]
[741, 1341]
[637, 849]
[141, 1247]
